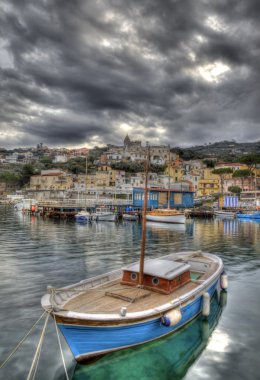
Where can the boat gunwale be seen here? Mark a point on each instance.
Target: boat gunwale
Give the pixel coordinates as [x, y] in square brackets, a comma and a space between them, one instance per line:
[55, 309]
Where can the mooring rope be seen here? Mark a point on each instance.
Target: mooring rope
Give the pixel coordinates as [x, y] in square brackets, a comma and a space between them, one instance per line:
[35, 361]
[63, 360]
[21, 341]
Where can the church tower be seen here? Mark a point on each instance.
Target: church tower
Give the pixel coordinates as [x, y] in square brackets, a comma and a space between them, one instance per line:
[127, 141]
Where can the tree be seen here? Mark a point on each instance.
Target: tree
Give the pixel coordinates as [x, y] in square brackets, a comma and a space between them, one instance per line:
[222, 172]
[235, 189]
[243, 173]
[209, 163]
[76, 165]
[251, 160]
[11, 179]
[46, 161]
[26, 173]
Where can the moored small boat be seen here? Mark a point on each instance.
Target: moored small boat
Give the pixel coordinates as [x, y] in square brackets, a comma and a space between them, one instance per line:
[139, 303]
[131, 217]
[104, 214]
[249, 215]
[111, 312]
[166, 216]
[83, 216]
[225, 213]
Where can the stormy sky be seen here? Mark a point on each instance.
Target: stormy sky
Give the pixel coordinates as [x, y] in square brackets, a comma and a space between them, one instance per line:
[85, 73]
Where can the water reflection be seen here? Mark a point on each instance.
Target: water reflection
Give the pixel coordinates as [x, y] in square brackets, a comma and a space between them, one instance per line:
[35, 253]
[167, 358]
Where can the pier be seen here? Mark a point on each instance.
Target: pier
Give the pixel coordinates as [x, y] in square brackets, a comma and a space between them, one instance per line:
[67, 208]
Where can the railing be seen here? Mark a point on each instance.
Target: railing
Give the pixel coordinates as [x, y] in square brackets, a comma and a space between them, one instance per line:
[88, 202]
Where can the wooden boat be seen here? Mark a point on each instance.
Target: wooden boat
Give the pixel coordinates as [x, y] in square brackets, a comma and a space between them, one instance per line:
[110, 312]
[139, 303]
[83, 216]
[249, 215]
[225, 213]
[166, 216]
[172, 355]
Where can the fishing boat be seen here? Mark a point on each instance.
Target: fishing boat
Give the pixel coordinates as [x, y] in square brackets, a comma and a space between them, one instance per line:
[249, 215]
[104, 214]
[136, 304]
[83, 216]
[166, 216]
[225, 213]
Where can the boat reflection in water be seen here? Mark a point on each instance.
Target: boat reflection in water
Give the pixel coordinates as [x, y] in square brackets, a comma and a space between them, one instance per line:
[165, 227]
[167, 358]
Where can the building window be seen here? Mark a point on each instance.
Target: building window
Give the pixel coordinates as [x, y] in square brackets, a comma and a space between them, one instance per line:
[177, 198]
[133, 276]
[155, 281]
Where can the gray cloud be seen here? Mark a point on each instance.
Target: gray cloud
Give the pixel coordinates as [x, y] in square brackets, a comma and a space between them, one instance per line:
[84, 72]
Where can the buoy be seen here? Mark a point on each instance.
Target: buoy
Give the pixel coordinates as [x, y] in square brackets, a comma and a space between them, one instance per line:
[205, 330]
[205, 304]
[224, 281]
[171, 318]
[223, 298]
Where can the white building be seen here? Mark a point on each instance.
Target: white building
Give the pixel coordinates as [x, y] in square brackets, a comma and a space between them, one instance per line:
[60, 159]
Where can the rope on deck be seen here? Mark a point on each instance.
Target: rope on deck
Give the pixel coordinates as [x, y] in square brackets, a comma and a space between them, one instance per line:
[62, 356]
[21, 341]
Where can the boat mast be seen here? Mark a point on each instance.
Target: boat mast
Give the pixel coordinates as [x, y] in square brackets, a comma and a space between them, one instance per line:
[141, 268]
[169, 178]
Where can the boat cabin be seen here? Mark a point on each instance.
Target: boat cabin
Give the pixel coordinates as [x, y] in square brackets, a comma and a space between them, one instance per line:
[163, 276]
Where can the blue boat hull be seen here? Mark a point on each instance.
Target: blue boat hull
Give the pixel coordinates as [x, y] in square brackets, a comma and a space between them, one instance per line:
[87, 342]
[249, 216]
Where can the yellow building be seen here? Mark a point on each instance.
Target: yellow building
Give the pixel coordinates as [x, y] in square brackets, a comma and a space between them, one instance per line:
[175, 172]
[104, 177]
[208, 187]
[208, 184]
[51, 180]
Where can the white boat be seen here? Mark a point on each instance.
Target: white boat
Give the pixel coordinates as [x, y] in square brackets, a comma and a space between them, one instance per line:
[225, 213]
[83, 216]
[104, 214]
[166, 216]
[131, 217]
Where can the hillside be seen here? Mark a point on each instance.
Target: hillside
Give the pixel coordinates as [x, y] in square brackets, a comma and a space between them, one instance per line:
[224, 150]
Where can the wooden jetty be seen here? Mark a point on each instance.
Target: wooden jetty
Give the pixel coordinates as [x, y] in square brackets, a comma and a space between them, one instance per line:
[68, 208]
[200, 212]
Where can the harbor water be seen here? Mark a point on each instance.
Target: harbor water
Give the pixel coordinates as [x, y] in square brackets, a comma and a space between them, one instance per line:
[35, 253]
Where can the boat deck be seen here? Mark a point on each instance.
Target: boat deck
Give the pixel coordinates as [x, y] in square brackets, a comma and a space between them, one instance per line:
[110, 298]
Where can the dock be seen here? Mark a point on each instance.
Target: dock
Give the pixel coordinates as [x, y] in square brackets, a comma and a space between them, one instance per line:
[200, 212]
[68, 208]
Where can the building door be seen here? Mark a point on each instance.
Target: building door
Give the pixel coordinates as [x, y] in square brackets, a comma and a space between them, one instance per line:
[162, 199]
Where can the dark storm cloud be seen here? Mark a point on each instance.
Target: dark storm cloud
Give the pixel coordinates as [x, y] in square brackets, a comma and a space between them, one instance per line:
[80, 72]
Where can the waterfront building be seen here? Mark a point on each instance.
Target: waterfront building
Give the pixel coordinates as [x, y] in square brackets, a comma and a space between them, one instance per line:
[51, 180]
[182, 197]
